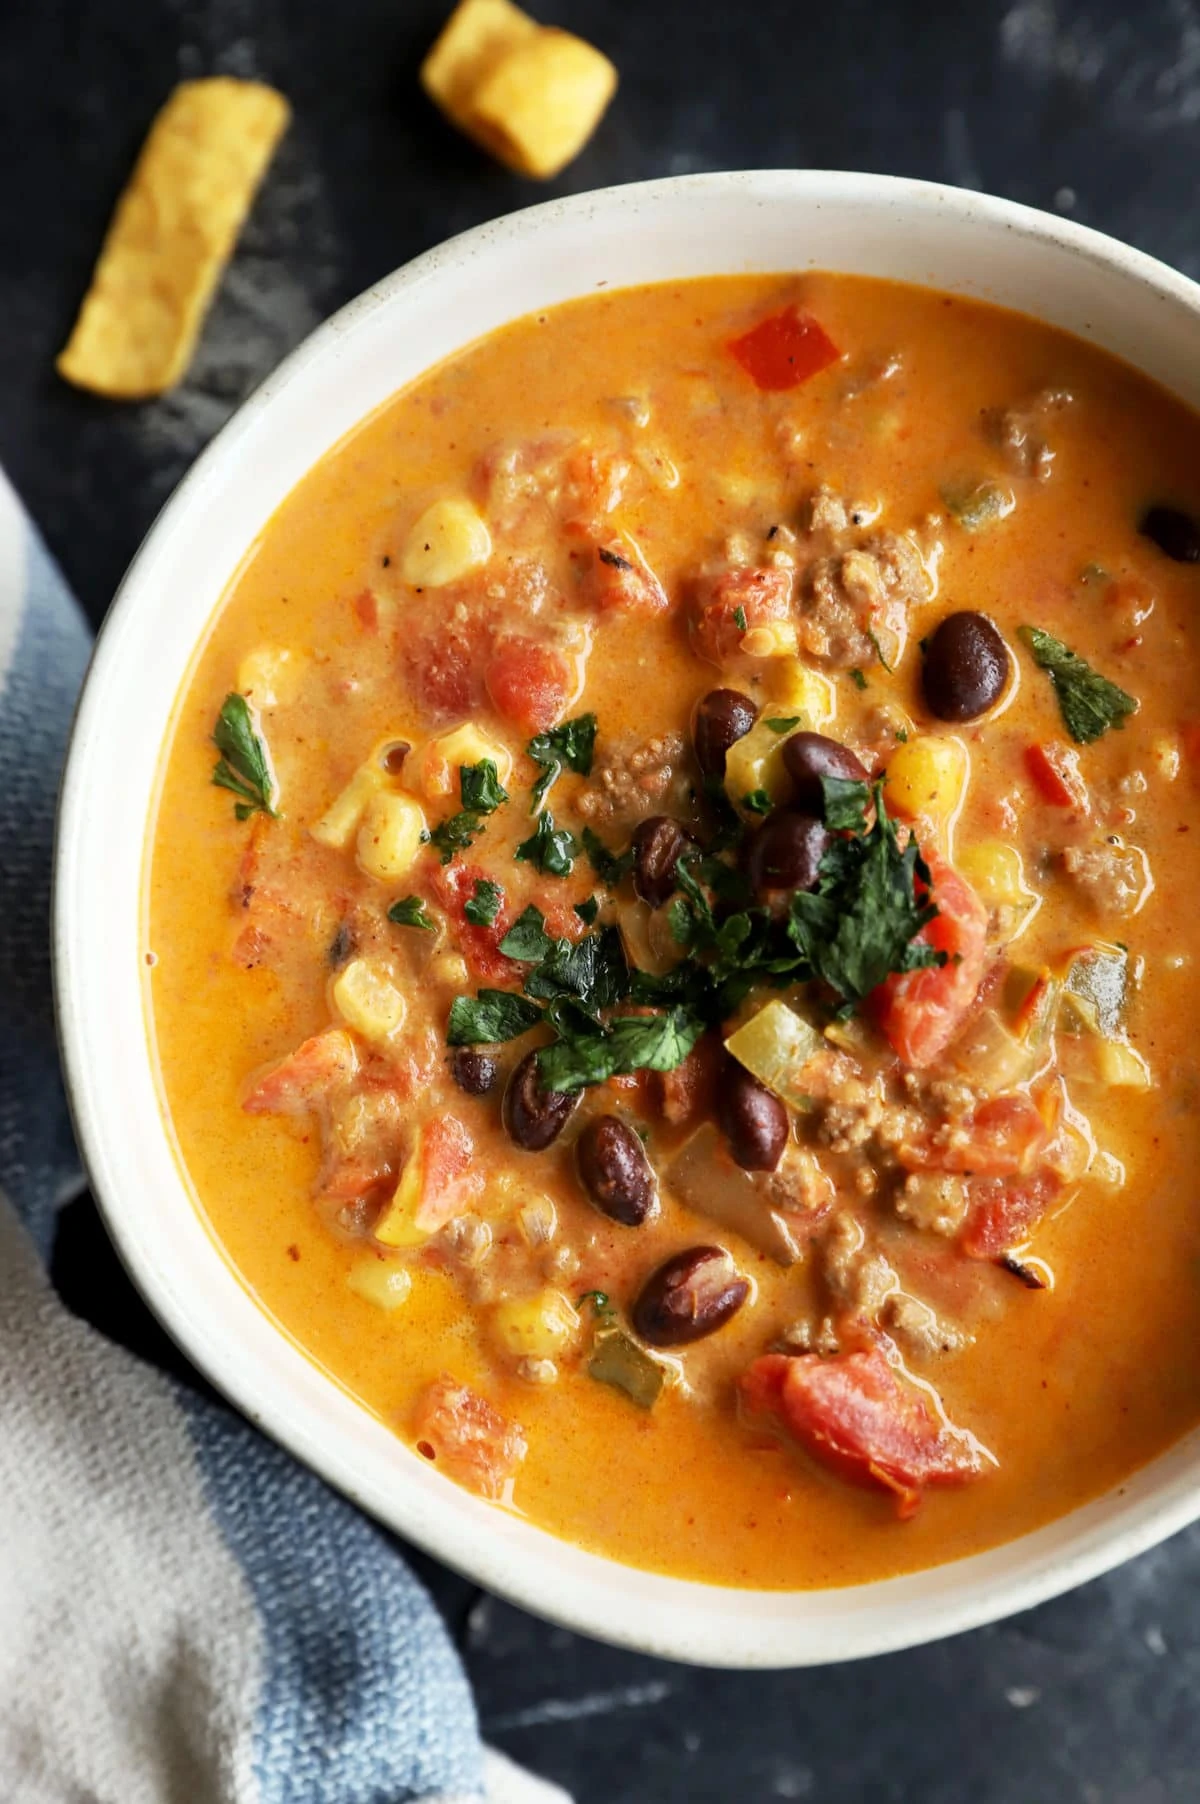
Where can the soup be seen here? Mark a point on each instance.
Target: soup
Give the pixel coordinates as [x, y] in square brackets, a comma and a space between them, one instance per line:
[677, 990]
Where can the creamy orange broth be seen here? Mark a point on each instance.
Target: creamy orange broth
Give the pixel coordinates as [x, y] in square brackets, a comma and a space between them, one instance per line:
[1070, 1388]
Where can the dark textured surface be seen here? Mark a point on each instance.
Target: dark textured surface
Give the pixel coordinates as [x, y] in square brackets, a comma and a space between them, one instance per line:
[1088, 109]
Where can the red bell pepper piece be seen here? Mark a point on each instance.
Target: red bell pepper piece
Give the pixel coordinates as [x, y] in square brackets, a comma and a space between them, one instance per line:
[784, 350]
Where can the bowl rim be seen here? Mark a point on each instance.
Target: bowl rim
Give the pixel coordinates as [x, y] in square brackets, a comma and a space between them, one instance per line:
[683, 1619]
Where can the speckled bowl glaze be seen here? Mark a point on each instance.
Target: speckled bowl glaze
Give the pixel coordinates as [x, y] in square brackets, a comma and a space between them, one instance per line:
[692, 226]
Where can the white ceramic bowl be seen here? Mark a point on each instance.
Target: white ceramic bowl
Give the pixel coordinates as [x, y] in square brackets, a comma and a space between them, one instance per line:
[697, 225]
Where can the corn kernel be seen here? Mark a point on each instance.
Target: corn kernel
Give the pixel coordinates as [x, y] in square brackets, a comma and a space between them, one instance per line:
[1165, 756]
[536, 1327]
[927, 778]
[387, 1286]
[446, 543]
[756, 762]
[268, 675]
[450, 968]
[777, 639]
[798, 690]
[389, 836]
[368, 1001]
[996, 871]
[340, 819]
[438, 766]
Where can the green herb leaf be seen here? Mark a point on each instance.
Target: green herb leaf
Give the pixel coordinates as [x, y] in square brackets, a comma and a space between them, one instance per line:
[409, 911]
[587, 911]
[857, 678]
[784, 724]
[552, 849]
[902, 735]
[739, 618]
[598, 1300]
[1088, 702]
[244, 766]
[607, 865]
[758, 802]
[593, 972]
[456, 834]
[846, 802]
[491, 1016]
[860, 924]
[570, 746]
[630, 1043]
[527, 938]
[480, 787]
[484, 905]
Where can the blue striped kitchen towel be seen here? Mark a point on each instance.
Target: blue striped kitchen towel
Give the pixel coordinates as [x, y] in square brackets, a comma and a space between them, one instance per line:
[186, 1615]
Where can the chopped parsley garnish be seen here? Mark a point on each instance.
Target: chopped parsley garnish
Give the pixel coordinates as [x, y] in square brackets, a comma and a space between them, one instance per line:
[490, 1016]
[902, 735]
[607, 865]
[527, 938]
[879, 652]
[860, 925]
[456, 833]
[784, 723]
[244, 766]
[846, 802]
[592, 972]
[591, 1053]
[409, 911]
[757, 802]
[857, 678]
[739, 618]
[1088, 702]
[587, 911]
[552, 849]
[598, 1300]
[570, 746]
[861, 922]
[483, 907]
[480, 787]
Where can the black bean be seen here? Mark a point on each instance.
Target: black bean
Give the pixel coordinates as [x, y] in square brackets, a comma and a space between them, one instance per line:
[753, 1119]
[966, 667]
[722, 717]
[615, 1171]
[474, 1072]
[690, 1296]
[807, 757]
[534, 1116]
[658, 845]
[1173, 531]
[785, 853]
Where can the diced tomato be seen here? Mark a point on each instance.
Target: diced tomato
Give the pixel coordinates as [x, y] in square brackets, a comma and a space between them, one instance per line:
[530, 684]
[1057, 777]
[1004, 1213]
[306, 1077]
[784, 350]
[475, 1445]
[453, 885]
[921, 1012]
[864, 1420]
[761, 595]
[448, 1179]
[366, 610]
[443, 670]
[620, 579]
[999, 1138]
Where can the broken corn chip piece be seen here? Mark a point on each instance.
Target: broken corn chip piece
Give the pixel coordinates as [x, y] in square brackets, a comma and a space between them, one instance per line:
[475, 37]
[531, 94]
[171, 237]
